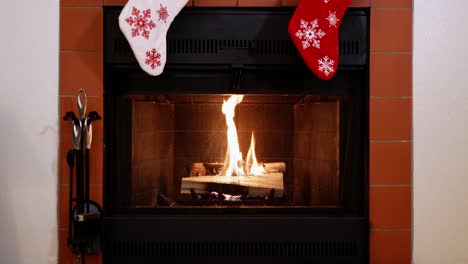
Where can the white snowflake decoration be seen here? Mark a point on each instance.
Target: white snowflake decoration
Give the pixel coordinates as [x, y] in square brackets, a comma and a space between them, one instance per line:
[326, 65]
[310, 34]
[332, 19]
[326, 1]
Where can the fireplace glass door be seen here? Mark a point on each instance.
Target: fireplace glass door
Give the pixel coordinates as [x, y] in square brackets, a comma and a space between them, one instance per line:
[223, 150]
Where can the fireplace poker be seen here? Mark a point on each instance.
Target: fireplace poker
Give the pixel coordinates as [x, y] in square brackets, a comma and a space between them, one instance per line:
[84, 120]
[77, 146]
[88, 130]
[80, 165]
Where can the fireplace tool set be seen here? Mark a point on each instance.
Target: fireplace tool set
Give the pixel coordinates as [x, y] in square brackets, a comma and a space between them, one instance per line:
[84, 229]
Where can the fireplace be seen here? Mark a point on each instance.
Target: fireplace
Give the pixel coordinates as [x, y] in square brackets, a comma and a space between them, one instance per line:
[237, 150]
[201, 150]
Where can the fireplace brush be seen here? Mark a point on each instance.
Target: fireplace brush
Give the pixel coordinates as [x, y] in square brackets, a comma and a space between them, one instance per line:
[84, 214]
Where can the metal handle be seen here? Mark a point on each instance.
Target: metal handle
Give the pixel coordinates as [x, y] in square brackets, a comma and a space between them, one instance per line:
[89, 133]
[77, 132]
[82, 105]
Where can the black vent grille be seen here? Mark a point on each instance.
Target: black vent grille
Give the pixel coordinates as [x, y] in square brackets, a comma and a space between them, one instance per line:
[231, 248]
[349, 47]
[211, 37]
[215, 46]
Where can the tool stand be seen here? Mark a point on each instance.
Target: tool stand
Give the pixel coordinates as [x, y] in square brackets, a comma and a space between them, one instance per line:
[85, 215]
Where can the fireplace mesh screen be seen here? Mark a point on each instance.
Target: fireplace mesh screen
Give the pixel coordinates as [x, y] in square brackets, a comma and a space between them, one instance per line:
[234, 150]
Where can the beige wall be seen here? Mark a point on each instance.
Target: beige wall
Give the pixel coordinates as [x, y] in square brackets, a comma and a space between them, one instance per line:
[440, 132]
[28, 131]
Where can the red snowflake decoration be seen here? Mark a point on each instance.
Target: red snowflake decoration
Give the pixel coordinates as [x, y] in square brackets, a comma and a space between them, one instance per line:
[141, 22]
[153, 58]
[163, 13]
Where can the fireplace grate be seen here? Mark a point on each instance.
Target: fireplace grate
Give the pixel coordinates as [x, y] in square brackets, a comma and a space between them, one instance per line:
[233, 248]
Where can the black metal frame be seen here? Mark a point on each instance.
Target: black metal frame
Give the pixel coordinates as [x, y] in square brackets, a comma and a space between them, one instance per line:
[240, 69]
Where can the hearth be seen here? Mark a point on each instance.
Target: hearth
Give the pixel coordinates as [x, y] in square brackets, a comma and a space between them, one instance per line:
[237, 149]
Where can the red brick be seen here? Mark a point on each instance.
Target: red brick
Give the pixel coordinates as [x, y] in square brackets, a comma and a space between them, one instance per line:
[391, 75]
[392, 3]
[390, 163]
[390, 247]
[81, 70]
[254, 3]
[81, 3]
[390, 119]
[81, 29]
[390, 206]
[391, 30]
[219, 3]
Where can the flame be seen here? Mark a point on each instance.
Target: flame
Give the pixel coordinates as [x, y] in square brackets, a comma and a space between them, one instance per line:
[233, 161]
[251, 160]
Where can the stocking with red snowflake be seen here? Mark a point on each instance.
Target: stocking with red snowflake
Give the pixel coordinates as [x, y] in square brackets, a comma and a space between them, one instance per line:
[144, 24]
[313, 29]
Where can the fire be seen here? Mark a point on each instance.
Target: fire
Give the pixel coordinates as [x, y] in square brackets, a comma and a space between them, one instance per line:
[251, 160]
[233, 161]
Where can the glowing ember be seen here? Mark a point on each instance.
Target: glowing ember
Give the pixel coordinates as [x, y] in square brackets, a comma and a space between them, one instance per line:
[233, 161]
[251, 163]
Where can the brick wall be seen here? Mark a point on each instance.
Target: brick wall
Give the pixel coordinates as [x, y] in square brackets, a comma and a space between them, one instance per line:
[390, 132]
[81, 66]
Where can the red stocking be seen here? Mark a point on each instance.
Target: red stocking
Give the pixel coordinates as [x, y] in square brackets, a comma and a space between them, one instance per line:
[314, 30]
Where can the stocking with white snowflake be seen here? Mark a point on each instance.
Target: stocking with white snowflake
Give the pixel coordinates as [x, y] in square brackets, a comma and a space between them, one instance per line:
[313, 29]
[144, 24]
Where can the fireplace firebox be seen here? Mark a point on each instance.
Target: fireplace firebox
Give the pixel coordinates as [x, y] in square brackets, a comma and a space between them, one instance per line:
[237, 152]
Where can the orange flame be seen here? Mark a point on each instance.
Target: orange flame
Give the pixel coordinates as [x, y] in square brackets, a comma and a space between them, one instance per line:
[251, 163]
[233, 161]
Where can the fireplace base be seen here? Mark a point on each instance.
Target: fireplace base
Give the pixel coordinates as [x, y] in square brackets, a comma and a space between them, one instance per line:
[236, 239]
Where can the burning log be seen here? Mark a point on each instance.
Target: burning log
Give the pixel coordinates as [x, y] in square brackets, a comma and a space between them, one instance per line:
[266, 180]
[260, 185]
[198, 169]
[273, 167]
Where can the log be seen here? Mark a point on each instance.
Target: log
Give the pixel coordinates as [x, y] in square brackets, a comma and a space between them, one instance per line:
[256, 185]
[272, 167]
